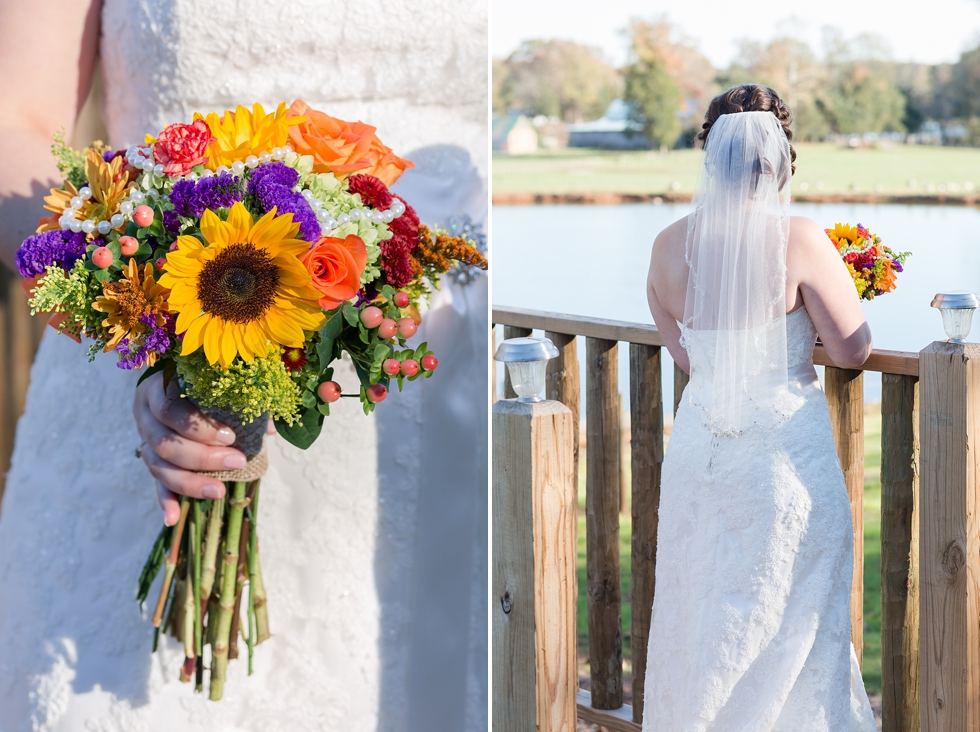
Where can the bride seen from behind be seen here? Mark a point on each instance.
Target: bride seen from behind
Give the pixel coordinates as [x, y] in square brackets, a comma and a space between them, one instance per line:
[751, 621]
[372, 544]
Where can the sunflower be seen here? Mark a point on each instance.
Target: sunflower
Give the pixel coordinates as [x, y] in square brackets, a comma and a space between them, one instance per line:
[128, 300]
[109, 184]
[245, 288]
[242, 133]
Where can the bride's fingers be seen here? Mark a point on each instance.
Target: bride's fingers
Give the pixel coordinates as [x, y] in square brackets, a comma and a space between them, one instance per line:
[184, 482]
[188, 454]
[169, 504]
[184, 418]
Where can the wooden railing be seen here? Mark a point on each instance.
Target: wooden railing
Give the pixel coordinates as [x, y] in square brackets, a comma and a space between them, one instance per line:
[944, 566]
[19, 337]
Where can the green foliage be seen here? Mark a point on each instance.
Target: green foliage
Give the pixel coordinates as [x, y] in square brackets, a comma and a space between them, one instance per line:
[70, 162]
[70, 293]
[262, 386]
[651, 92]
[862, 99]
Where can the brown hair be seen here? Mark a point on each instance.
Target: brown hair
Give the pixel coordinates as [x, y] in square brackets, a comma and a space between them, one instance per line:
[749, 98]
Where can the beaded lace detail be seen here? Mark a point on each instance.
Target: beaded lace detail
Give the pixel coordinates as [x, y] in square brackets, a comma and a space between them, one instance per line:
[350, 529]
[751, 619]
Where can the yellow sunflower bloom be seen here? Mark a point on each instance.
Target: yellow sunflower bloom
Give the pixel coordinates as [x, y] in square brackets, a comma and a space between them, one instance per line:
[242, 133]
[245, 288]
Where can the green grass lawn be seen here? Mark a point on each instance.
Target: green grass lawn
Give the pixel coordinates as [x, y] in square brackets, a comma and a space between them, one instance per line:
[822, 167]
[872, 563]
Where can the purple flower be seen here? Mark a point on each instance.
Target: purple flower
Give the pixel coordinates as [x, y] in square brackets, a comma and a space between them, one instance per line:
[131, 355]
[288, 201]
[60, 247]
[171, 221]
[278, 174]
[193, 198]
[157, 337]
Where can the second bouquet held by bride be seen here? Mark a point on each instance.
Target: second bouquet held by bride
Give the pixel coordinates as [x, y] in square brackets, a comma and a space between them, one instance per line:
[241, 255]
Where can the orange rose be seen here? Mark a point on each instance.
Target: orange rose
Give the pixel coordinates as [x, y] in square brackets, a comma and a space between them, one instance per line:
[335, 266]
[343, 148]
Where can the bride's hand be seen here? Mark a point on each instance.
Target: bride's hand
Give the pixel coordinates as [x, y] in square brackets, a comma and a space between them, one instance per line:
[181, 440]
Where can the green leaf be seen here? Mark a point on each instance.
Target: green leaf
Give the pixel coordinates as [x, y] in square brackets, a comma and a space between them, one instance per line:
[304, 431]
[116, 250]
[380, 351]
[351, 314]
[309, 399]
[102, 275]
[388, 292]
[323, 408]
[328, 334]
[153, 563]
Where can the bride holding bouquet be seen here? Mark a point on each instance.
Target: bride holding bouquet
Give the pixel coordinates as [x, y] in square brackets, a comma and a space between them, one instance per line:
[351, 527]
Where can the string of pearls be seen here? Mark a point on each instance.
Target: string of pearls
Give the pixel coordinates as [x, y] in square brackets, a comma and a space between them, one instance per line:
[69, 219]
[328, 223]
[141, 158]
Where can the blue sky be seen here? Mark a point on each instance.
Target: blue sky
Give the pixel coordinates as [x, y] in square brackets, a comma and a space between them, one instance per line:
[925, 32]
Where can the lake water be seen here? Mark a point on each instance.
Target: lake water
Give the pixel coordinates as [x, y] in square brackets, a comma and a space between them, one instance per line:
[592, 260]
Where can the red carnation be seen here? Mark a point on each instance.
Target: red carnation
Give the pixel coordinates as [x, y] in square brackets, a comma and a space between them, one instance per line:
[294, 358]
[396, 261]
[373, 192]
[180, 147]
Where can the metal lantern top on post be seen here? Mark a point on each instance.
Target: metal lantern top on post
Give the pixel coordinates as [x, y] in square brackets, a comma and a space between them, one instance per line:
[526, 360]
[957, 310]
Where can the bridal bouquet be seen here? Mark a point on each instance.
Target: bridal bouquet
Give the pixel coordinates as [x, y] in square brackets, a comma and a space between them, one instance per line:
[241, 255]
[872, 265]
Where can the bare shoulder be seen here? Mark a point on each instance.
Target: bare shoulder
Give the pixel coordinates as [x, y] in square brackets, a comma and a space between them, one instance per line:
[808, 240]
[672, 238]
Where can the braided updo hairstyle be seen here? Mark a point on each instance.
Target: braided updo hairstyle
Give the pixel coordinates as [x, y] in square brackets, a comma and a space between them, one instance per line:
[749, 98]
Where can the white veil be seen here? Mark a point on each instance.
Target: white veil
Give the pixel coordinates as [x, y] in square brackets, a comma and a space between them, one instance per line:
[735, 310]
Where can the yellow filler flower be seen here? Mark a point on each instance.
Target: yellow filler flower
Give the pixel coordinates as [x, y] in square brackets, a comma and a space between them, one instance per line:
[242, 133]
[245, 288]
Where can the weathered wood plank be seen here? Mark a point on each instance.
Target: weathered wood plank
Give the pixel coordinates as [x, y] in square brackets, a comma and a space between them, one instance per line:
[889, 362]
[615, 720]
[949, 538]
[899, 554]
[647, 453]
[845, 399]
[562, 382]
[602, 524]
[534, 568]
[681, 378]
[512, 332]
[625, 440]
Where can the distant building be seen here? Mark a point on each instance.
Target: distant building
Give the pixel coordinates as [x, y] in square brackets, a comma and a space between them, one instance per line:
[613, 131]
[514, 134]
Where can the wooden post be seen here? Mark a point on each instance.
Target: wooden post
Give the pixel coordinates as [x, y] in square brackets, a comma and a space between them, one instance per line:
[899, 554]
[949, 538]
[562, 382]
[680, 383]
[512, 331]
[535, 679]
[625, 439]
[602, 524]
[845, 398]
[647, 448]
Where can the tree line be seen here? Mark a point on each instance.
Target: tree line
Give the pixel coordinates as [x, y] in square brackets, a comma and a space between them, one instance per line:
[852, 88]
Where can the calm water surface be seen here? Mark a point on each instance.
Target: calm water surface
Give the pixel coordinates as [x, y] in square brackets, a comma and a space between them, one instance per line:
[592, 260]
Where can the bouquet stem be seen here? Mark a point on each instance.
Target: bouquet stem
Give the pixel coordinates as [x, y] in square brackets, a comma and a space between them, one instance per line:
[236, 616]
[256, 587]
[226, 604]
[212, 542]
[171, 564]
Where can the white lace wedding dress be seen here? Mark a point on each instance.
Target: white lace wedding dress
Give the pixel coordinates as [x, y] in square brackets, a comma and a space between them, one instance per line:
[374, 540]
[751, 616]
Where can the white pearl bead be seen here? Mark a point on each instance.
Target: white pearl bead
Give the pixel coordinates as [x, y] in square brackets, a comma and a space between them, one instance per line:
[88, 226]
[307, 194]
[131, 151]
[136, 196]
[355, 214]
[64, 223]
[316, 203]
[387, 217]
[222, 169]
[76, 202]
[330, 222]
[192, 176]
[104, 227]
[148, 165]
[324, 230]
[158, 170]
[278, 153]
[126, 208]
[85, 193]
[265, 158]
[251, 161]
[238, 167]
[75, 226]
[343, 219]
[116, 220]
[322, 215]
[208, 173]
[286, 149]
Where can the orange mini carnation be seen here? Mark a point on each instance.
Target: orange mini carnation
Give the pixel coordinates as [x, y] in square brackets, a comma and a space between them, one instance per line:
[343, 148]
[335, 265]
